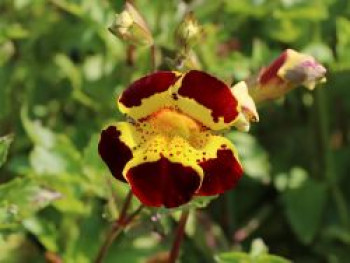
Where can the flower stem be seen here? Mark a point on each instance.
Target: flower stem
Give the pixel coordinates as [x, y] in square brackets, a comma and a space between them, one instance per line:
[125, 207]
[322, 121]
[174, 253]
[130, 55]
[117, 227]
[153, 57]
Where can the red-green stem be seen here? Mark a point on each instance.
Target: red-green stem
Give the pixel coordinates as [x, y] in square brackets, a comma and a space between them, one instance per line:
[125, 207]
[153, 58]
[174, 253]
[117, 227]
[130, 55]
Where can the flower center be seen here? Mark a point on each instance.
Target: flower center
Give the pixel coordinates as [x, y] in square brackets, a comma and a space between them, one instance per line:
[171, 122]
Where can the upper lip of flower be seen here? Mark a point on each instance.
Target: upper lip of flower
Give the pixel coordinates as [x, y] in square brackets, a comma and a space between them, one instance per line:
[205, 99]
[170, 150]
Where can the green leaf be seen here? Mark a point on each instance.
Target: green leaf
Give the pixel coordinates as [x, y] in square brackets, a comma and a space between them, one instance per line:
[271, 259]
[320, 51]
[294, 179]
[5, 143]
[36, 132]
[73, 73]
[258, 254]
[61, 159]
[22, 198]
[248, 8]
[253, 157]
[202, 201]
[258, 248]
[44, 230]
[233, 257]
[304, 206]
[284, 30]
[343, 42]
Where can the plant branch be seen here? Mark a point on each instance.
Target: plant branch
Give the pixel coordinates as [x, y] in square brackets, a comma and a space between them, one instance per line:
[117, 227]
[174, 253]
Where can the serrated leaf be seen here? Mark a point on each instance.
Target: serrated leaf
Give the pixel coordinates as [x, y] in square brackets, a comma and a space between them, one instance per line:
[304, 206]
[5, 143]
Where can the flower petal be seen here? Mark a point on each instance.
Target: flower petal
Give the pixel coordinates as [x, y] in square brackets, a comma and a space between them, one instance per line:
[207, 99]
[196, 94]
[302, 69]
[271, 72]
[164, 171]
[285, 73]
[248, 109]
[163, 183]
[222, 169]
[148, 94]
[115, 147]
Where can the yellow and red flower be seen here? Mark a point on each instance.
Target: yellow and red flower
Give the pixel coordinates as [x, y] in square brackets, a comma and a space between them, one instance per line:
[170, 150]
[288, 71]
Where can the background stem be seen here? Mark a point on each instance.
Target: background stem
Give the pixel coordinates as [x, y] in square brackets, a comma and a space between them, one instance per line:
[322, 124]
[153, 58]
[116, 229]
[174, 253]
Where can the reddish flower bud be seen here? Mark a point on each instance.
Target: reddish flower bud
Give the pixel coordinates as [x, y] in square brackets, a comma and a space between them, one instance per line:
[288, 71]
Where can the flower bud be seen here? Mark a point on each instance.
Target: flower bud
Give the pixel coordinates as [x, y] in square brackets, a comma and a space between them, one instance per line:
[188, 32]
[131, 27]
[248, 111]
[288, 71]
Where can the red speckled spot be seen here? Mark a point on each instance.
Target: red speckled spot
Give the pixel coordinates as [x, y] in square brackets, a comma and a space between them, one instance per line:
[146, 87]
[270, 72]
[211, 93]
[220, 174]
[114, 152]
[163, 183]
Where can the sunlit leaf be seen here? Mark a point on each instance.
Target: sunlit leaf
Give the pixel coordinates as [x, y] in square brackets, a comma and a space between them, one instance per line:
[233, 257]
[21, 198]
[44, 230]
[5, 143]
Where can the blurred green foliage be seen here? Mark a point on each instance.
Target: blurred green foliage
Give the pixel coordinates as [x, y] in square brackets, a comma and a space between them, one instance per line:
[60, 72]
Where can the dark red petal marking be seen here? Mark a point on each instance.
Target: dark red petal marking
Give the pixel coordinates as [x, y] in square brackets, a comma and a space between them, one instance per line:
[220, 174]
[270, 72]
[163, 183]
[146, 87]
[211, 93]
[114, 152]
